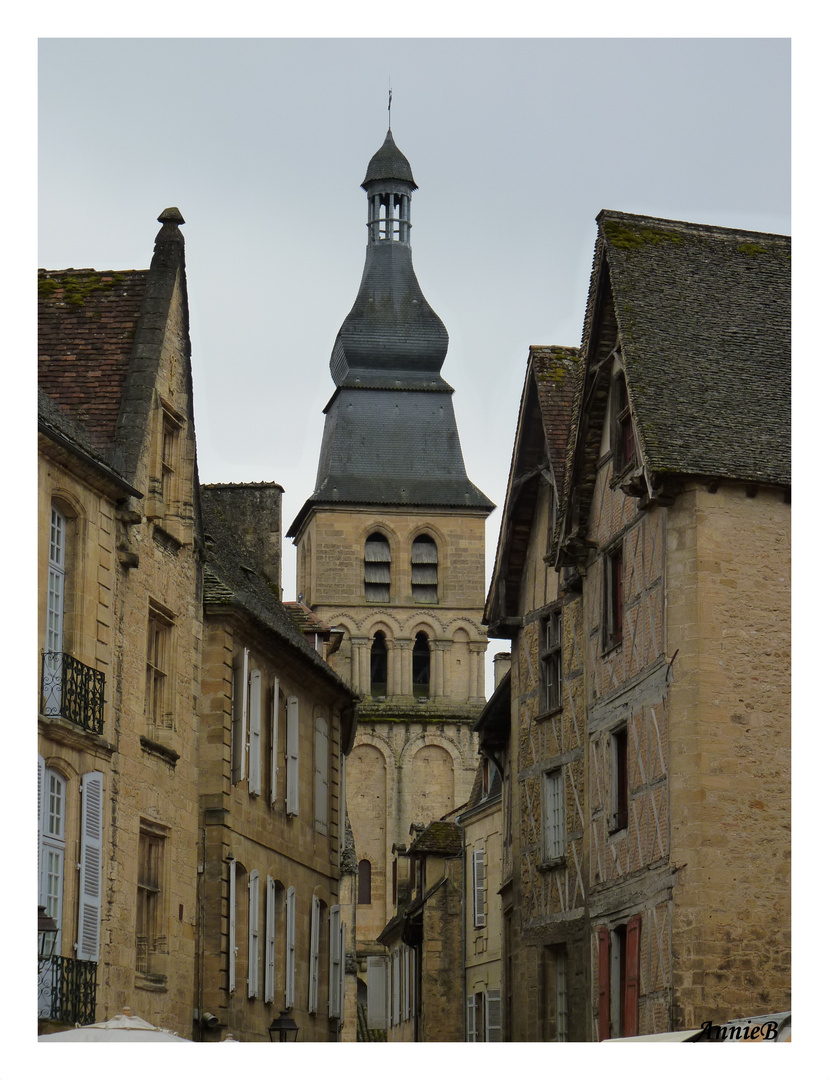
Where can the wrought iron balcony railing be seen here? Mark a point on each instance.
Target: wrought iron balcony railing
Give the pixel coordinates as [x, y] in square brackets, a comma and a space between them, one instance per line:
[73, 691]
[67, 989]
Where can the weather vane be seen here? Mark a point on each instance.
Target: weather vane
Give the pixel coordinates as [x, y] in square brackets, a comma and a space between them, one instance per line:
[389, 103]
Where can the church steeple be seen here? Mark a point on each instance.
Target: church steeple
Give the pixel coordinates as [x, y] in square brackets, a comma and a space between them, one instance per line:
[390, 432]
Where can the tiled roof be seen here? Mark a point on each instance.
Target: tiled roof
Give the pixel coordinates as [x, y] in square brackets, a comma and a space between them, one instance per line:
[305, 620]
[230, 578]
[87, 321]
[389, 164]
[704, 318]
[554, 369]
[439, 838]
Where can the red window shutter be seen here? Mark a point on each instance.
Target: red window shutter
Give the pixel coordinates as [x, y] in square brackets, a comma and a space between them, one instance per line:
[634, 932]
[604, 984]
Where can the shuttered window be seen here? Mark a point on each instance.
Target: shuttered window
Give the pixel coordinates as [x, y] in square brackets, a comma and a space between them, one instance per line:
[253, 934]
[255, 708]
[613, 597]
[376, 992]
[239, 723]
[51, 791]
[290, 947]
[554, 817]
[377, 569]
[314, 956]
[231, 926]
[478, 888]
[270, 939]
[425, 570]
[561, 995]
[334, 962]
[274, 740]
[321, 775]
[493, 1015]
[151, 937]
[292, 758]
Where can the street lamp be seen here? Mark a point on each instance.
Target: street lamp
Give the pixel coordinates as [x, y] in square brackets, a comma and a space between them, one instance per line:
[284, 1026]
[47, 934]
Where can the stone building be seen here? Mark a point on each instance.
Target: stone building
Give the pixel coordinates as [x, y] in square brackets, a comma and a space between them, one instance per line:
[275, 723]
[390, 553]
[647, 844]
[119, 629]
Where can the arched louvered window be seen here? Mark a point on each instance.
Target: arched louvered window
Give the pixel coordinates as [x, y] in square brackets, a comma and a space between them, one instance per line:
[420, 666]
[364, 882]
[425, 570]
[379, 665]
[377, 569]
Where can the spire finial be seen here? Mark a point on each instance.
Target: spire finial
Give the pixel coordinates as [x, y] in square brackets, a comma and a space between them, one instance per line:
[389, 102]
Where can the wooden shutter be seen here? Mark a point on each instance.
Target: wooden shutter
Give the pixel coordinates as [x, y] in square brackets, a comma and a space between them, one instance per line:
[274, 740]
[493, 1015]
[231, 926]
[376, 992]
[41, 773]
[478, 887]
[255, 723]
[321, 775]
[341, 979]
[253, 934]
[334, 961]
[292, 758]
[633, 935]
[406, 979]
[238, 731]
[314, 958]
[604, 983]
[470, 1019]
[89, 912]
[290, 946]
[270, 939]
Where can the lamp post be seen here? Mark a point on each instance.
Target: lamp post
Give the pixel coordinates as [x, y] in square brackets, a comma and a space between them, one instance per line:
[284, 1026]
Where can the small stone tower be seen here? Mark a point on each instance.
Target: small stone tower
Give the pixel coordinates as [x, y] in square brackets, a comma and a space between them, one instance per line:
[390, 552]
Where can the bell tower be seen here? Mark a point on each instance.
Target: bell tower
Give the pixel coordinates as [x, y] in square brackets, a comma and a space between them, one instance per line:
[390, 552]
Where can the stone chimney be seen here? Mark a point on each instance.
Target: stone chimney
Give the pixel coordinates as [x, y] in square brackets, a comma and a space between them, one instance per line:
[253, 512]
[501, 663]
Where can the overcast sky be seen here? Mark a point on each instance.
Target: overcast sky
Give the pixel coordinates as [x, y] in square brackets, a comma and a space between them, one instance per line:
[516, 145]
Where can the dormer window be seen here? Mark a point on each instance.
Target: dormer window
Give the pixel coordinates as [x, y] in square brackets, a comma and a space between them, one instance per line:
[624, 444]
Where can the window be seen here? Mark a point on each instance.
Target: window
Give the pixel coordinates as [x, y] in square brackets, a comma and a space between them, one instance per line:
[271, 889]
[274, 740]
[231, 925]
[56, 583]
[335, 981]
[425, 570]
[253, 934]
[420, 666]
[613, 602]
[290, 947]
[619, 779]
[561, 995]
[239, 716]
[550, 662]
[158, 698]
[554, 822]
[379, 665]
[619, 979]
[292, 758]
[51, 790]
[321, 775]
[377, 569]
[624, 446]
[150, 936]
[169, 453]
[483, 1016]
[376, 1008]
[364, 881]
[478, 888]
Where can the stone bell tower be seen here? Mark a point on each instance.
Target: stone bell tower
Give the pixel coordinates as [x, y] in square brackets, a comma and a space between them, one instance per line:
[390, 552]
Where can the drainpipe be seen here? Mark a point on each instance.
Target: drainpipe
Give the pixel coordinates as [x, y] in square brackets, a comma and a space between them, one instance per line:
[463, 928]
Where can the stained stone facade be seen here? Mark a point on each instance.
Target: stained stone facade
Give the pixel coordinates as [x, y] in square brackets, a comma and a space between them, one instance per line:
[390, 553]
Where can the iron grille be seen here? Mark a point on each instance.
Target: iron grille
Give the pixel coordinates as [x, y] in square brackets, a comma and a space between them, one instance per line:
[68, 989]
[73, 691]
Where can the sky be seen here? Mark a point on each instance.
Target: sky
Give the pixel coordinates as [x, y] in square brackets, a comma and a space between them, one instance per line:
[515, 144]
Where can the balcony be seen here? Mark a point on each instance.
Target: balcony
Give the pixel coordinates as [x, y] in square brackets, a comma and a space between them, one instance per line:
[66, 990]
[72, 691]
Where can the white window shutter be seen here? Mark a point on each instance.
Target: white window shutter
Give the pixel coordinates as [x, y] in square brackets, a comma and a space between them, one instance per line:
[231, 926]
[321, 775]
[253, 934]
[341, 985]
[292, 757]
[395, 987]
[334, 961]
[41, 772]
[470, 1018]
[255, 723]
[92, 820]
[314, 958]
[290, 946]
[274, 740]
[270, 939]
[478, 887]
[406, 980]
[493, 1015]
[376, 992]
[240, 714]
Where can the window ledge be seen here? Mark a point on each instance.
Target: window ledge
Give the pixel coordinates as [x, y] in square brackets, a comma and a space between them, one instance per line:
[617, 831]
[549, 713]
[156, 984]
[613, 647]
[552, 864]
[164, 752]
